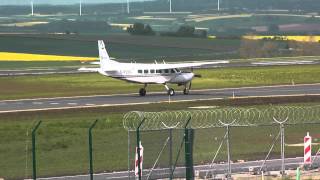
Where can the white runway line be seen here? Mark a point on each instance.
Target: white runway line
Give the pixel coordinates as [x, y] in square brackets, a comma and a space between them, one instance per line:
[90, 104]
[54, 103]
[72, 103]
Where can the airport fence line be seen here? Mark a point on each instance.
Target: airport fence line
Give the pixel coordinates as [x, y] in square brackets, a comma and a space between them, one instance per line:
[219, 135]
[63, 147]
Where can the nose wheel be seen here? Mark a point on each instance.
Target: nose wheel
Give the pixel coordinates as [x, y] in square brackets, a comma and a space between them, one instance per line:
[171, 92]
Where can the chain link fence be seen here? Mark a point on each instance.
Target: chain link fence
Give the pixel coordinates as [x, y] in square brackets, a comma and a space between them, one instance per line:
[222, 135]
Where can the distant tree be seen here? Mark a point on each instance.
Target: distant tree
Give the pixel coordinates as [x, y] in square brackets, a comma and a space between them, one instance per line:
[305, 48]
[269, 49]
[186, 31]
[250, 48]
[140, 29]
[148, 30]
[203, 33]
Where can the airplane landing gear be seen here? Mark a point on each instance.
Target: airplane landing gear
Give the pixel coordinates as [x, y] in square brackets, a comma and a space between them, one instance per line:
[185, 91]
[142, 92]
[171, 92]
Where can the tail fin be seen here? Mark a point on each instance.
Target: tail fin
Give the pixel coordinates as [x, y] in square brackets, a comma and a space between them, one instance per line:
[103, 55]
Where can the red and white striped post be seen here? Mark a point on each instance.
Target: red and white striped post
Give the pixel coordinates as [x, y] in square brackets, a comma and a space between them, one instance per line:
[307, 149]
[136, 170]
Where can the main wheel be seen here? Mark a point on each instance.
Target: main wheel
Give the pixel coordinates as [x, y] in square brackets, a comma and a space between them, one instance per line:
[142, 92]
[185, 91]
[171, 92]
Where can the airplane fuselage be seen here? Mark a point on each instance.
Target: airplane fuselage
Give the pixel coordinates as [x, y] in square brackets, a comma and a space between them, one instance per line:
[146, 74]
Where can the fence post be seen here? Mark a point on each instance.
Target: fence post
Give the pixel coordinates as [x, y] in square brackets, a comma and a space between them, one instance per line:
[282, 150]
[179, 150]
[189, 134]
[227, 125]
[170, 153]
[90, 148]
[188, 152]
[229, 154]
[138, 147]
[129, 154]
[281, 123]
[34, 165]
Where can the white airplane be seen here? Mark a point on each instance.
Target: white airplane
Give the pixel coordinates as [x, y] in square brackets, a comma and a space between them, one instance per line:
[143, 73]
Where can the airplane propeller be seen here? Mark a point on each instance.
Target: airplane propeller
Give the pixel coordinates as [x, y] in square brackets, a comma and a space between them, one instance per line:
[196, 75]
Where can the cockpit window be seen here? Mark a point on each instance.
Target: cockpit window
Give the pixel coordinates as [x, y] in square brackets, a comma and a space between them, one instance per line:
[166, 71]
[140, 71]
[152, 71]
[177, 70]
[158, 71]
[146, 71]
[173, 71]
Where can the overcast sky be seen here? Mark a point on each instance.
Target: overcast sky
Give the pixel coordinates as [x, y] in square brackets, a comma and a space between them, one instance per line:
[24, 2]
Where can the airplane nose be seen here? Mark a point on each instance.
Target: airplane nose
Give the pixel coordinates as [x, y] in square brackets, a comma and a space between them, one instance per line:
[189, 76]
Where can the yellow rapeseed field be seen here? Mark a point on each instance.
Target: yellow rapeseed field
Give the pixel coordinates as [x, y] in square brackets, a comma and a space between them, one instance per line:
[292, 38]
[9, 56]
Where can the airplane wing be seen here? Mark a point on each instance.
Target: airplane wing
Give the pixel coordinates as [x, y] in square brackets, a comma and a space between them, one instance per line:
[188, 65]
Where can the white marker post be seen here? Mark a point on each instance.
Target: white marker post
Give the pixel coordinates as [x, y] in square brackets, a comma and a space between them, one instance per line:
[136, 169]
[307, 149]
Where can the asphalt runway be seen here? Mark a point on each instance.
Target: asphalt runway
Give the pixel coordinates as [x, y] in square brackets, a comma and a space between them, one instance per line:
[131, 99]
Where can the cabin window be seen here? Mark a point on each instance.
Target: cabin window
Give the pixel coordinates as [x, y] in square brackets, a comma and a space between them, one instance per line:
[152, 71]
[146, 71]
[162, 71]
[140, 71]
[158, 71]
[166, 71]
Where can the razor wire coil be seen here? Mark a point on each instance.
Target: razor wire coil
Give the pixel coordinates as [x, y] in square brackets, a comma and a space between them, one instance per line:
[218, 117]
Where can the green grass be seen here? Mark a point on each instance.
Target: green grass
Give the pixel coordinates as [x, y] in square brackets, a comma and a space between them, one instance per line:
[121, 46]
[92, 84]
[62, 141]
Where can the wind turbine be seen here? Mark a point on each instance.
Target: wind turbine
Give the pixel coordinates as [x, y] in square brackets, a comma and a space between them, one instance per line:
[80, 8]
[128, 7]
[31, 8]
